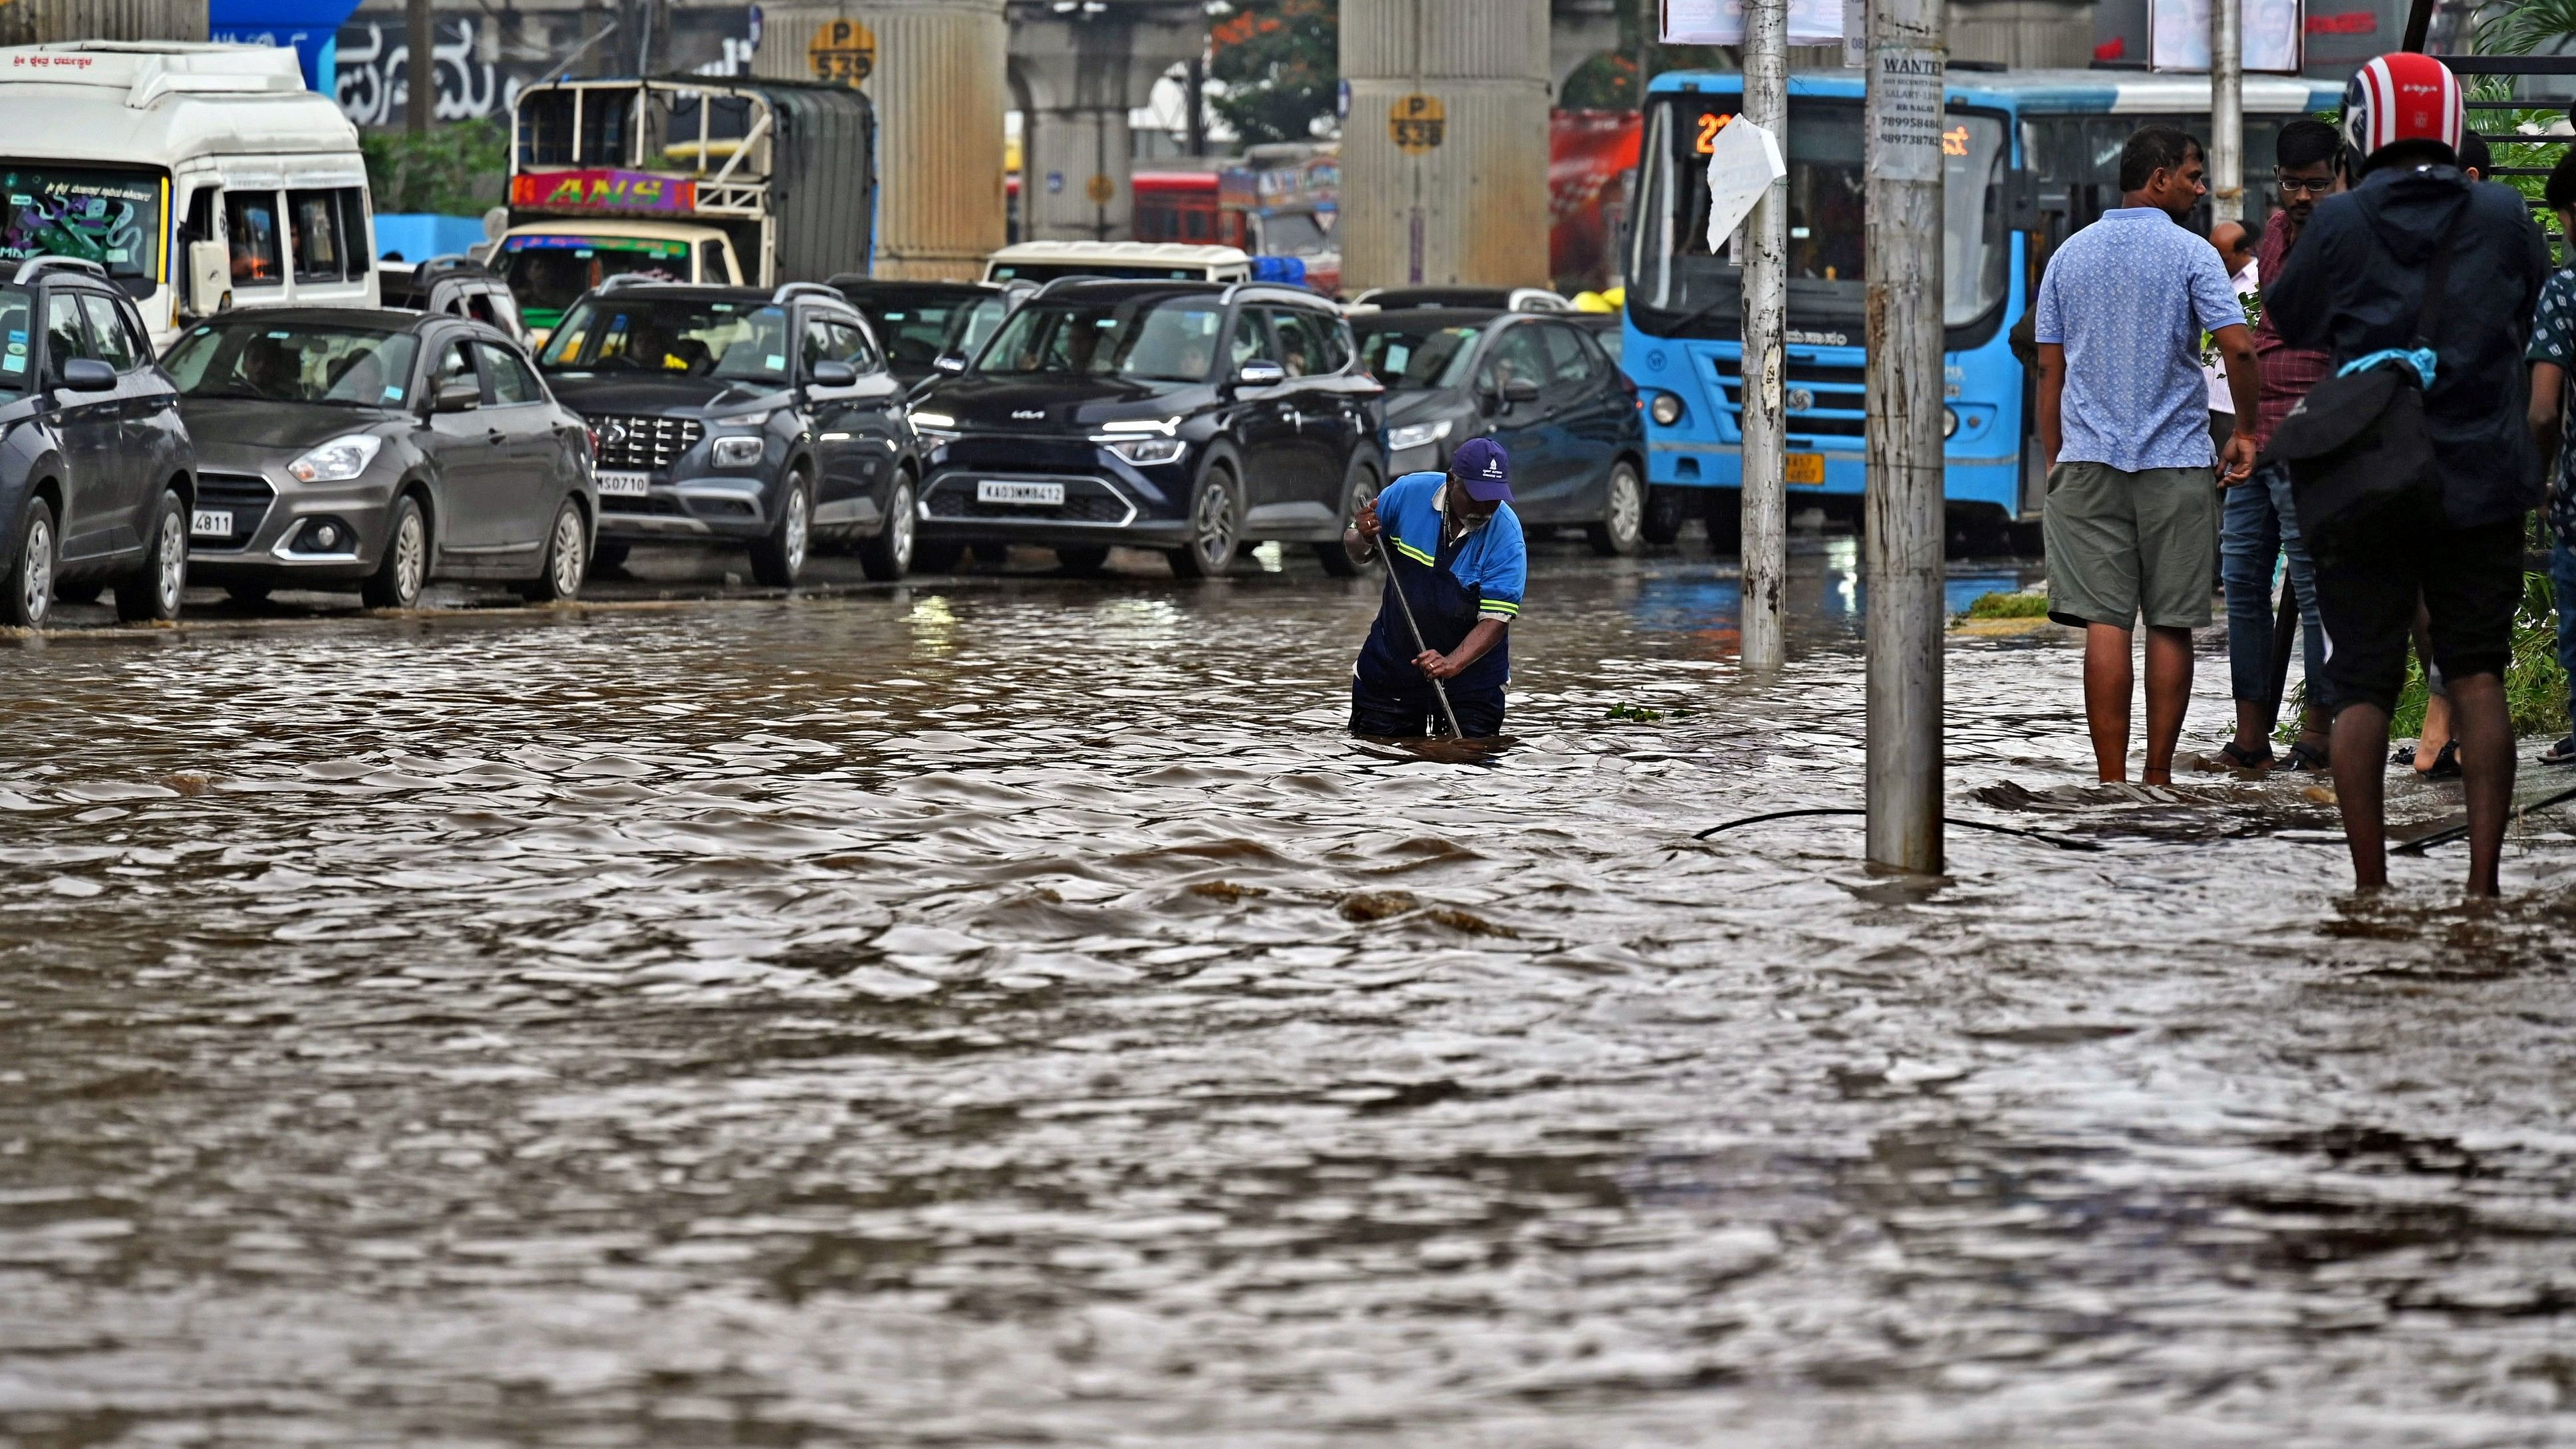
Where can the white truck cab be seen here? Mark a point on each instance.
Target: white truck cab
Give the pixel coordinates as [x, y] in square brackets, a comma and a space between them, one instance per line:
[550, 263]
[200, 177]
[1044, 261]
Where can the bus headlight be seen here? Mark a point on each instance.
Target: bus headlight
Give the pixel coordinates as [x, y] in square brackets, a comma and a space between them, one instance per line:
[1949, 422]
[1666, 410]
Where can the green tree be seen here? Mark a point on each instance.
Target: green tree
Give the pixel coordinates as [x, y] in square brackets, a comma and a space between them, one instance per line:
[2520, 29]
[1281, 62]
[457, 169]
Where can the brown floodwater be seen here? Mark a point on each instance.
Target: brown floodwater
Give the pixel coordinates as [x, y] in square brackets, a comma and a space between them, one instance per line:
[1010, 1011]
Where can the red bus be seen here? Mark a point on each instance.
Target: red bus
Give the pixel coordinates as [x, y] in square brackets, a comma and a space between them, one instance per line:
[1182, 206]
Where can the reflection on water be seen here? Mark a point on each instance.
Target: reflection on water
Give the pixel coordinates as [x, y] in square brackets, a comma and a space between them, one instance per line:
[1012, 1013]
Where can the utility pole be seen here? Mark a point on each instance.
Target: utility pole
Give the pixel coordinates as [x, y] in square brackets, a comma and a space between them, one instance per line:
[420, 66]
[1765, 498]
[2226, 111]
[1903, 507]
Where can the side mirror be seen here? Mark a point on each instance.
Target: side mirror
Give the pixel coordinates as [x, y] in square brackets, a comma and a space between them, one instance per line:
[88, 374]
[831, 372]
[1520, 390]
[457, 395]
[952, 363]
[210, 278]
[1261, 374]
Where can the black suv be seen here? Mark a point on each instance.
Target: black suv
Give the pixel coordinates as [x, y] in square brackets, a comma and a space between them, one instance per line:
[96, 473]
[1187, 416]
[737, 415]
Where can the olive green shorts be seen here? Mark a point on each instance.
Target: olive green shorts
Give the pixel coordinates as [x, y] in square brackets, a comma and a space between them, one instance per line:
[2121, 544]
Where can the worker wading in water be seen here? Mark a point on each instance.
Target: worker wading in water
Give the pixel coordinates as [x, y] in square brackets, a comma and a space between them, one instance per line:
[1453, 544]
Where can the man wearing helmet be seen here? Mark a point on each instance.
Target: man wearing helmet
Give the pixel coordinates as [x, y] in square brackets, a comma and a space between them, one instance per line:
[2356, 285]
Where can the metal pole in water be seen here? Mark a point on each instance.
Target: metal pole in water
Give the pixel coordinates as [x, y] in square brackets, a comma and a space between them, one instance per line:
[2226, 111]
[1902, 559]
[1765, 499]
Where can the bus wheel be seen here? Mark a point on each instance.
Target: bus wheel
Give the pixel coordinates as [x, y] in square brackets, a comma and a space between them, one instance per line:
[1725, 516]
[1665, 510]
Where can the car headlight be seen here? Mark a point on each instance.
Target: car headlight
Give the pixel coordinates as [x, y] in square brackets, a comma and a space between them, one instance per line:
[1416, 435]
[1949, 422]
[1148, 451]
[743, 420]
[338, 460]
[739, 452]
[1666, 409]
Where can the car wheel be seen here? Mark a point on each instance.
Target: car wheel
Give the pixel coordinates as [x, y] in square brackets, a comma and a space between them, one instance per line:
[607, 558]
[888, 556]
[567, 560]
[1084, 560]
[151, 594]
[248, 595]
[1215, 520]
[1665, 510]
[30, 585]
[1336, 559]
[1623, 516]
[397, 581]
[936, 555]
[779, 558]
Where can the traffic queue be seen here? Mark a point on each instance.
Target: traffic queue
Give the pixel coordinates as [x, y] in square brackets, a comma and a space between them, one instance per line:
[210, 379]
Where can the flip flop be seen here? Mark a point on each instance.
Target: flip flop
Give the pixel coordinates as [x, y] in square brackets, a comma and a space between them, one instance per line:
[2561, 753]
[2237, 759]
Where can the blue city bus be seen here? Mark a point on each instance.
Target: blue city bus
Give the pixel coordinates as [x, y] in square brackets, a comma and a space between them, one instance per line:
[2032, 156]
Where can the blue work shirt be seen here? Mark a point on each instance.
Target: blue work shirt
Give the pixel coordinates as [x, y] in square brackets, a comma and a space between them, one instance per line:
[2128, 298]
[1451, 584]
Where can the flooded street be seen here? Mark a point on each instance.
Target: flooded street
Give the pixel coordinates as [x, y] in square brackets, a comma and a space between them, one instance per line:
[1008, 1010]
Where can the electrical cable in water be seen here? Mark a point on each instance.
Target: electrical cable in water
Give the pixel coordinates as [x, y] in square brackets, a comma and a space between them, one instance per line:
[2061, 842]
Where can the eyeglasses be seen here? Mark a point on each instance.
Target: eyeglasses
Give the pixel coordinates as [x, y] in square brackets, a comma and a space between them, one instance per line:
[2291, 184]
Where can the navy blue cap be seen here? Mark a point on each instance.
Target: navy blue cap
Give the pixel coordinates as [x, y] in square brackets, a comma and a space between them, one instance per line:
[1482, 468]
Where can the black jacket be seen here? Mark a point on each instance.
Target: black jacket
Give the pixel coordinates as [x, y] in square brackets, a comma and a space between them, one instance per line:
[2354, 284]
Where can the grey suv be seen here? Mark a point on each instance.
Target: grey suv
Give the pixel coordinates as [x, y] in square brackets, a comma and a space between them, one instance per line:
[737, 416]
[97, 477]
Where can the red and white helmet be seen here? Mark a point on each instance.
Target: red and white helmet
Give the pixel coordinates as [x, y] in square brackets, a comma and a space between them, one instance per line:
[2403, 97]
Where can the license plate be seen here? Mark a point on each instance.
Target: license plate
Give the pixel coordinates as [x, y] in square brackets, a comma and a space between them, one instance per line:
[1807, 468]
[625, 485]
[214, 522]
[1043, 495]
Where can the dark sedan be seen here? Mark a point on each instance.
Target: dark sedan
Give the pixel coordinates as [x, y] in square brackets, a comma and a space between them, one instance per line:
[379, 450]
[1538, 384]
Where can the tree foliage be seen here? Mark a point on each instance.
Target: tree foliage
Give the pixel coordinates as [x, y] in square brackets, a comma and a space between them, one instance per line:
[2522, 28]
[1281, 63]
[456, 169]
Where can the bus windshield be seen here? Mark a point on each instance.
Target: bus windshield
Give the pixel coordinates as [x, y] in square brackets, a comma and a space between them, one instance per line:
[1680, 287]
[546, 272]
[111, 217]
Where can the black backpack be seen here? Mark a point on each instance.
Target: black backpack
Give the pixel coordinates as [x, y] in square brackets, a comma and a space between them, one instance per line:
[2356, 445]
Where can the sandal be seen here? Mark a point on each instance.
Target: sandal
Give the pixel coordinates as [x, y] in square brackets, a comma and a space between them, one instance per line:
[2446, 765]
[2237, 759]
[2561, 753]
[2307, 759]
[2402, 755]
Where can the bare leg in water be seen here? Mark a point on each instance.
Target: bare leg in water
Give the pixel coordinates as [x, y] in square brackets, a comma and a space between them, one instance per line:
[2485, 732]
[2109, 684]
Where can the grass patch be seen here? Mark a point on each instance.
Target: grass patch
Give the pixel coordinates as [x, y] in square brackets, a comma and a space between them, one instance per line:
[2008, 606]
[1644, 715]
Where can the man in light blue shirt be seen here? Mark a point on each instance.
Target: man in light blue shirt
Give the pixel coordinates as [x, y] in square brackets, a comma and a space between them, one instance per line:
[2132, 518]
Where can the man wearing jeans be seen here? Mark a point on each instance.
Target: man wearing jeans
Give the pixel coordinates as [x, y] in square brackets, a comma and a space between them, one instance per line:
[2260, 524]
[2132, 515]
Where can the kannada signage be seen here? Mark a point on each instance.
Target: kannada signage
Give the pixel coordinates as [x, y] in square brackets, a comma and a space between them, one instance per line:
[639, 193]
[1419, 123]
[843, 52]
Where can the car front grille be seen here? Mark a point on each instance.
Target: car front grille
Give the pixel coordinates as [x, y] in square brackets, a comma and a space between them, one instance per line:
[1086, 500]
[1834, 397]
[645, 443]
[245, 496]
[650, 507]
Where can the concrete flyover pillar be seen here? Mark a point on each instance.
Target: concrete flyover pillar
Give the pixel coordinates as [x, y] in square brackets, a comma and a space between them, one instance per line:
[1078, 70]
[934, 69]
[1444, 154]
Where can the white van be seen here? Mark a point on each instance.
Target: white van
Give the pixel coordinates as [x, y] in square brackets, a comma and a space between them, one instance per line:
[1044, 261]
[200, 176]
